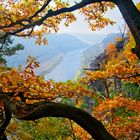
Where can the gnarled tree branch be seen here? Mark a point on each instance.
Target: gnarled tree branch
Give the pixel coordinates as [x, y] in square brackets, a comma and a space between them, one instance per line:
[49, 109]
[46, 16]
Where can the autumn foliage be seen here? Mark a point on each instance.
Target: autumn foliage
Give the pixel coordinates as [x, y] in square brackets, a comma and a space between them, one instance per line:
[24, 81]
[23, 93]
[120, 114]
[123, 65]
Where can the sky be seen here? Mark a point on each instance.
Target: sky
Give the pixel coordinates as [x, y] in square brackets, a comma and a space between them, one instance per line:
[81, 26]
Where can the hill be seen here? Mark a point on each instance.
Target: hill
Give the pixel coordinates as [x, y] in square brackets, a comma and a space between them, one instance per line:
[91, 38]
[92, 52]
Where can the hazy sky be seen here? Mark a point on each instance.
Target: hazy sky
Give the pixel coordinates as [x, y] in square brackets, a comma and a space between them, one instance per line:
[80, 26]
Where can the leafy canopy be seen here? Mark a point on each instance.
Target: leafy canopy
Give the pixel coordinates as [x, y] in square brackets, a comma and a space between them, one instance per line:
[21, 17]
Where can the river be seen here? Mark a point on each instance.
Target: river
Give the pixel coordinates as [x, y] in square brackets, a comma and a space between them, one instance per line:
[67, 68]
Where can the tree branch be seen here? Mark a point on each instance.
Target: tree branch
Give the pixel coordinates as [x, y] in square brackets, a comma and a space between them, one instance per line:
[41, 9]
[50, 13]
[49, 109]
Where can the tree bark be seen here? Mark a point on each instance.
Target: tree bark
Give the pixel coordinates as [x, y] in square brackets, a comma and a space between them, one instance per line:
[132, 17]
[84, 119]
[7, 117]
[106, 89]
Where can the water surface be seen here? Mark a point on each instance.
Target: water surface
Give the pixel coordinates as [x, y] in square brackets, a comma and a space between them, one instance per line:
[67, 67]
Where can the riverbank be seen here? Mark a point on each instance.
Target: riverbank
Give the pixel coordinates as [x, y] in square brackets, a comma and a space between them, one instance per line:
[47, 67]
[67, 68]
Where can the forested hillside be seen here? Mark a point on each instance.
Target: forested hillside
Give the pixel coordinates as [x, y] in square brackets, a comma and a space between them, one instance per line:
[92, 52]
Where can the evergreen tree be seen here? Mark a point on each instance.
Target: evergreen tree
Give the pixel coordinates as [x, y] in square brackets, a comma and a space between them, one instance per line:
[6, 49]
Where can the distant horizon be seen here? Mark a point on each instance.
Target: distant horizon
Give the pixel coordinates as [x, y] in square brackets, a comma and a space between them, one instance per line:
[72, 33]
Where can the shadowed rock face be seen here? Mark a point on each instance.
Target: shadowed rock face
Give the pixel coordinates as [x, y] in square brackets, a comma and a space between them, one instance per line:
[96, 64]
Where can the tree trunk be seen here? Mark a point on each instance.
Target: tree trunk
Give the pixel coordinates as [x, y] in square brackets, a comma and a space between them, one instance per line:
[6, 120]
[106, 89]
[132, 17]
[117, 85]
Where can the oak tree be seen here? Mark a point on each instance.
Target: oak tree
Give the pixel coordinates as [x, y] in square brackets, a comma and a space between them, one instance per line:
[20, 18]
